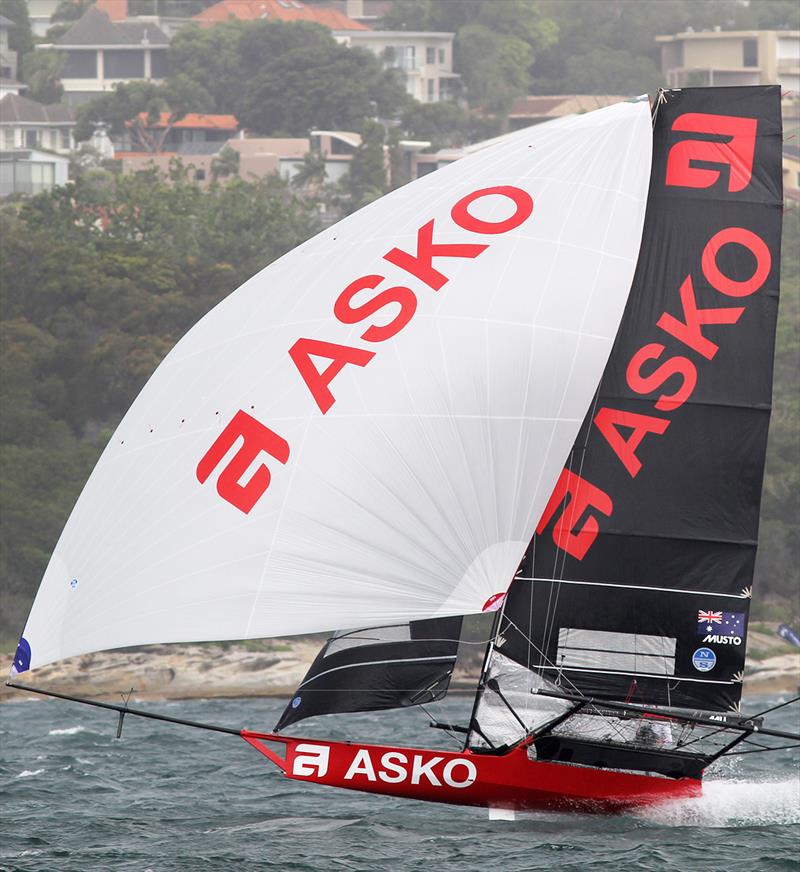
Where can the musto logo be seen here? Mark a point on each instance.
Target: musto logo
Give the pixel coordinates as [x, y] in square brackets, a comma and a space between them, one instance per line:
[391, 767]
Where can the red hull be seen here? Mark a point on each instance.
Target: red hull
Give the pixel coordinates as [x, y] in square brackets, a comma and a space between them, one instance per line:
[507, 781]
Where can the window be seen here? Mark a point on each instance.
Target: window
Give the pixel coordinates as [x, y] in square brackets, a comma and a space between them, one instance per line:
[65, 139]
[200, 175]
[603, 651]
[431, 91]
[402, 57]
[31, 138]
[8, 138]
[80, 65]
[441, 55]
[120, 64]
[158, 64]
[430, 55]
[750, 52]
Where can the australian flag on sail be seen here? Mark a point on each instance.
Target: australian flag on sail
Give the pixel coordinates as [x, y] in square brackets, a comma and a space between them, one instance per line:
[720, 623]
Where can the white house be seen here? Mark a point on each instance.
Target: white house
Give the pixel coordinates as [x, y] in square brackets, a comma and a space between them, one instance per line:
[100, 53]
[425, 58]
[25, 123]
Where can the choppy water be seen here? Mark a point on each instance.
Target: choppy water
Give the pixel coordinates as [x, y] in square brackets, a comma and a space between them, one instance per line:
[171, 798]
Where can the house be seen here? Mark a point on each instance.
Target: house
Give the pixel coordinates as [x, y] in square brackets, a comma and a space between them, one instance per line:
[27, 124]
[258, 156]
[29, 171]
[732, 57]
[39, 14]
[277, 10]
[99, 53]
[527, 111]
[424, 57]
[8, 58]
[163, 136]
[791, 174]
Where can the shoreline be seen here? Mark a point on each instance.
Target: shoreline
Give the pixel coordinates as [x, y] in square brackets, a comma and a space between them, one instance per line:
[274, 669]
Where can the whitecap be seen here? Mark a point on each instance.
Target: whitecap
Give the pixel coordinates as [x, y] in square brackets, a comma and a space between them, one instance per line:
[728, 803]
[67, 731]
[26, 773]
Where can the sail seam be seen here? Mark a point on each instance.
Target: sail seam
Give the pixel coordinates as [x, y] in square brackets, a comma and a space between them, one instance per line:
[376, 663]
[633, 587]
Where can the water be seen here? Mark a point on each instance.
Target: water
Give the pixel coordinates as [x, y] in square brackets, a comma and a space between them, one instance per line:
[171, 798]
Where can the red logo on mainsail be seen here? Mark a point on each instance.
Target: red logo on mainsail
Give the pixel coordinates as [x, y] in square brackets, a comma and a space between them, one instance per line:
[735, 152]
[257, 438]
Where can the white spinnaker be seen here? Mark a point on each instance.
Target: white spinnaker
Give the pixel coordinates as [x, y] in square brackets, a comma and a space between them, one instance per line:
[417, 493]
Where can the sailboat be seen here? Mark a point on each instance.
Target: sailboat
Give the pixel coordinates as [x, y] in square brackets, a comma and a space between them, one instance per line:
[535, 383]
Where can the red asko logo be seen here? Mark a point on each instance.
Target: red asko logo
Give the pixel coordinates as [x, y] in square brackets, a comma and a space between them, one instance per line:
[257, 437]
[735, 152]
[581, 502]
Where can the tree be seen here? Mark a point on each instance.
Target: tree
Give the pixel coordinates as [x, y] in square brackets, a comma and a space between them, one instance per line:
[494, 67]
[328, 86]
[20, 37]
[41, 71]
[495, 42]
[138, 107]
[225, 164]
[366, 180]
[610, 71]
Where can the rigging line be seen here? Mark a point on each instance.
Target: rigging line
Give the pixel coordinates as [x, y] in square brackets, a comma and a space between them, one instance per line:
[762, 750]
[616, 728]
[125, 709]
[551, 616]
[444, 727]
[776, 707]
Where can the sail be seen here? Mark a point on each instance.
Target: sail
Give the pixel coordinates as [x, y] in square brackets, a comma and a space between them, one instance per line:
[365, 432]
[378, 668]
[637, 585]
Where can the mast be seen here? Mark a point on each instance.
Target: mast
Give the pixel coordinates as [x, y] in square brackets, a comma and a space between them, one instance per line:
[640, 578]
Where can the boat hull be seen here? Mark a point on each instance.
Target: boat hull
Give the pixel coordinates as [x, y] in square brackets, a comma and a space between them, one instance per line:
[511, 781]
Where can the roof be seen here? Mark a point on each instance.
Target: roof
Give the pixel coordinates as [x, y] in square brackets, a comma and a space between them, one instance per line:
[6, 23]
[95, 28]
[791, 150]
[116, 10]
[726, 34]
[277, 10]
[195, 121]
[554, 106]
[15, 109]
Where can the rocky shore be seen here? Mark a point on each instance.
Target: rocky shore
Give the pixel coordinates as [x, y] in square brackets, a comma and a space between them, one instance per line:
[275, 667]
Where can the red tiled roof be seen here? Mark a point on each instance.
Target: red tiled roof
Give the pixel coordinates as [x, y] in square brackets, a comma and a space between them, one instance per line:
[196, 121]
[277, 10]
[116, 10]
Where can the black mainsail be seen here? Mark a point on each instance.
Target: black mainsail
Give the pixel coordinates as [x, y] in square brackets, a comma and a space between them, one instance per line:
[637, 586]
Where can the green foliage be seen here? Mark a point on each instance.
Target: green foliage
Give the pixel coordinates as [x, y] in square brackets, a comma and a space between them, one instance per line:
[298, 76]
[611, 71]
[20, 37]
[366, 180]
[225, 164]
[41, 71]
[100, 279]
[494, 67]
[495, 42]
[778, 563]
[138, 105]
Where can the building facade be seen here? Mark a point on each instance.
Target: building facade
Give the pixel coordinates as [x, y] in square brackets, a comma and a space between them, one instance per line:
[742, 57]
[424, 57]
[100, 53]
[26, 124]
